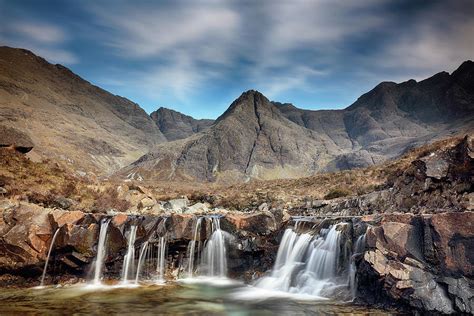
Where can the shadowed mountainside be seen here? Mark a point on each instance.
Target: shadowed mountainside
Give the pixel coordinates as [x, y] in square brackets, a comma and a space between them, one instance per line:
[256, 138]
[175, 125]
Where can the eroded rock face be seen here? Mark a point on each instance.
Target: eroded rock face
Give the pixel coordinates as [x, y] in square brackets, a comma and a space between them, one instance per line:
[422, 261]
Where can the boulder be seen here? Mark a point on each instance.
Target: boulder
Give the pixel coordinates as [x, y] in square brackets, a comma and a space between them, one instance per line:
[26, 234]
[197, 208]
[12, 137]
[261, 223]
[67, 217]
[417, 287]
[176, 205]
[453, 239]
[147, 203]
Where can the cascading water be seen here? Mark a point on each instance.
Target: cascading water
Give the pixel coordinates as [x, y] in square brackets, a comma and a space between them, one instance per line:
[359, 248]
[101, 251]
[141, 260]
[129, 258]
[192, 247]
[47, 258]
[161, 259]
[213, 260]
[307, 264]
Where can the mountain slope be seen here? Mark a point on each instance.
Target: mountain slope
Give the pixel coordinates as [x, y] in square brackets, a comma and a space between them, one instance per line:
[251, 139]
[67, 118]
[256, 138]
[175, 125]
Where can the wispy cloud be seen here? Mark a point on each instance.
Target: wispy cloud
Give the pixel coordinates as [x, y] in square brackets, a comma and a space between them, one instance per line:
[40, 32]
[45, 39]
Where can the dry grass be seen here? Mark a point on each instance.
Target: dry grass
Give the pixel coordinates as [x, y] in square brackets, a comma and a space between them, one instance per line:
[43, 183]
[46, 183]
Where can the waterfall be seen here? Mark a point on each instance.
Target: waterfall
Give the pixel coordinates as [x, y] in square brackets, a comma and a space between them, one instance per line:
[47, 258]
[101, 251]
[161, 259]
[129, 259]
[141, 260]
[192, 247]
[214, 261]
[359, 248]
[308, 264]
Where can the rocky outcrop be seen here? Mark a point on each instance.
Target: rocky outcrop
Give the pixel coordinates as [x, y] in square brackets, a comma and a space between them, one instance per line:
[424, 261]
[175, 125]
[11, 137]
[26, 233]
[409, 261]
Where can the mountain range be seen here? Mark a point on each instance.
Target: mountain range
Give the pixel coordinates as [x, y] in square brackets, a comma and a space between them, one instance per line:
[69, 119]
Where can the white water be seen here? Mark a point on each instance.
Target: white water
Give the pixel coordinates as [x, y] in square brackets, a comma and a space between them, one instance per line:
[306, 264]
[47, 258]
[129, 258]
[101, 251]
[214, 260]
[141, 260]
[161, 259]
[192, 247]
[359, 247]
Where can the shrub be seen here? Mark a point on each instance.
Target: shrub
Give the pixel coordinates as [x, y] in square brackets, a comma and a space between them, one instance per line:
[336, 193]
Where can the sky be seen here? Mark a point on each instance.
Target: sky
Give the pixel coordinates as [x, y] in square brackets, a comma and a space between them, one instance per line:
[198, 56]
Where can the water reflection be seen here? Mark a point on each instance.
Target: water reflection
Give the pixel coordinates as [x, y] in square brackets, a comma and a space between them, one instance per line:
[201, 298]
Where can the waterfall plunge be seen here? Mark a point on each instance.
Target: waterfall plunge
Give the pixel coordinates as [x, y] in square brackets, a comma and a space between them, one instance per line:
[307, 264]
[192, 247]
[101, 251]
[214, 260]
[129, 259]
[47, 258]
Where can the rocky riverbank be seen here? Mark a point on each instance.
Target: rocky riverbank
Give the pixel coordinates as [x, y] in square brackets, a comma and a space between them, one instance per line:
[421, 261]
[417, 227]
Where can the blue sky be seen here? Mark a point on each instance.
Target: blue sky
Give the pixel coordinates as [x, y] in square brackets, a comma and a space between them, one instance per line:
[198, 56]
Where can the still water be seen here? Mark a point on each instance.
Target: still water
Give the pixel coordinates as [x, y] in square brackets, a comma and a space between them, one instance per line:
[184, 298]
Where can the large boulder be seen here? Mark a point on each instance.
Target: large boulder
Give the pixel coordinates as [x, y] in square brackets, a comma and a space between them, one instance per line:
[12, 137]
[424, 261]
[26, 234]
[453, 239]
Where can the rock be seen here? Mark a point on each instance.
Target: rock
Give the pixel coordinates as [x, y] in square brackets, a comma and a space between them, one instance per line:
[263, 207]
[454, 241]
[197, 208]
[418, 287]
[67, 217]
[80, 238]
[181, 226]
[27, 232]
[435, 166]
[176, 205]
[12, 137]
[262, 223]
[146, 202]
[462, 289]
[403, 239]
[134, 197]
[63, 203]
[119, 219]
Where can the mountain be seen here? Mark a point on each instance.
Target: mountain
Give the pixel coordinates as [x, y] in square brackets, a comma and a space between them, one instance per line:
[175, 125]
[68, 118]
[256, 138]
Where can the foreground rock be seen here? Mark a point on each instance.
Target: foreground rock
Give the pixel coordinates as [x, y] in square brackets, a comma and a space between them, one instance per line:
[423, 261]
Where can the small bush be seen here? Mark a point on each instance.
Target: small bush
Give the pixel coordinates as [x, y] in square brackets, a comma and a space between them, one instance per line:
[336, 193]
[109, 200]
